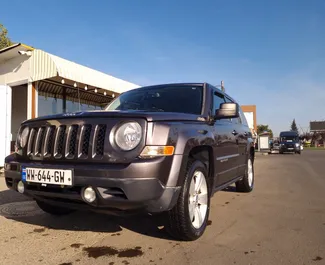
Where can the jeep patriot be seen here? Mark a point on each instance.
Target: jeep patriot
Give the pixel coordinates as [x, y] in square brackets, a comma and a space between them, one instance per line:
[157, 149]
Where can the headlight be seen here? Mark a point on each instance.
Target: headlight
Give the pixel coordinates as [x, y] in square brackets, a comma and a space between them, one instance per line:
[23, 137]
[128, 136]
[297, 144]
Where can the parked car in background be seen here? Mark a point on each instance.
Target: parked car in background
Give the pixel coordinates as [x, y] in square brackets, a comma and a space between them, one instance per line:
[275, 146]
[159, 149]
[290, 142]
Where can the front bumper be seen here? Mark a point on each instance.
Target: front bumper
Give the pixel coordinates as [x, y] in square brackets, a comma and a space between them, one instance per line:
[285, 148]
[139, 186]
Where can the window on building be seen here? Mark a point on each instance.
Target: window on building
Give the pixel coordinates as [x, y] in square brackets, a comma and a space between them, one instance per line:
[49, 105]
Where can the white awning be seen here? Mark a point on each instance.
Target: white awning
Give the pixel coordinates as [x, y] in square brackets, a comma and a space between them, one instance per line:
[44, 65]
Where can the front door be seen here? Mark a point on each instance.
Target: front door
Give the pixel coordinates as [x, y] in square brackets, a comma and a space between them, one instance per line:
[240, 125]
[226, 148]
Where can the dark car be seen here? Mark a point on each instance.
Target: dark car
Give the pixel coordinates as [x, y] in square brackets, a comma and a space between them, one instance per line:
[290, 142]
[159, 149]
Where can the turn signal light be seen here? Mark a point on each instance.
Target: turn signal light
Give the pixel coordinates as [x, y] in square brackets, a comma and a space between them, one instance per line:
[151, 151]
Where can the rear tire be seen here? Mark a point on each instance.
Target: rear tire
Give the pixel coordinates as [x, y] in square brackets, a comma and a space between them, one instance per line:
[53, 210]
[246, 184]
[188, 219]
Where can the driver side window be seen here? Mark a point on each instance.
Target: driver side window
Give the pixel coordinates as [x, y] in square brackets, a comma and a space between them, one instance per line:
[217, 100]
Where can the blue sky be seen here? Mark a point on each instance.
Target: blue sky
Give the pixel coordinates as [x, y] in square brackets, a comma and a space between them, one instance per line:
[269, 53]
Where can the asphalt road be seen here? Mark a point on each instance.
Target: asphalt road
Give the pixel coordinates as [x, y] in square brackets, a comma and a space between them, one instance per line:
[281, 222]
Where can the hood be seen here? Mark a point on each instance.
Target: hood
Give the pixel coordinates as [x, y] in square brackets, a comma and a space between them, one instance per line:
[149, 116]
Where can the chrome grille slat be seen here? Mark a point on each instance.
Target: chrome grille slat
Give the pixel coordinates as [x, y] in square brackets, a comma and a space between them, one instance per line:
[31, 141]
[99, 140]
[84, 141]
[48, 142]
[71, 143]
[59, 141]
[39, 141]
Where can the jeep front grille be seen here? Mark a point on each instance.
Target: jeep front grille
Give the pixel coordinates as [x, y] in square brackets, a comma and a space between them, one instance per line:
[67, 142]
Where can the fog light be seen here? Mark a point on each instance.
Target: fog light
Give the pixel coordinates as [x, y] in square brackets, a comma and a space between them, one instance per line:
[89, 194]
[21, 187]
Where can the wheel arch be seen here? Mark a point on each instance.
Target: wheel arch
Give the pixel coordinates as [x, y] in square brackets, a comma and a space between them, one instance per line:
[203, 153]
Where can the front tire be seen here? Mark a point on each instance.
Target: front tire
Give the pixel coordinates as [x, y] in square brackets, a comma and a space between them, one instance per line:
[53, 210]
[246, 184]
[188, 219]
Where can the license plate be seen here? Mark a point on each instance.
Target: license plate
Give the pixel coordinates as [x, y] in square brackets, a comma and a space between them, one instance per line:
[290, 148]
[47, 176]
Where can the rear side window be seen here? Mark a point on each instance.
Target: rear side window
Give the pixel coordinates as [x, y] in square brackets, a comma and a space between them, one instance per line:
[242, 117]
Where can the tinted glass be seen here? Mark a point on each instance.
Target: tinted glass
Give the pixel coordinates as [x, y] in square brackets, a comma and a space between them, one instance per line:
[217, 100]
[242, 117]
[184, 99]
[289, 138]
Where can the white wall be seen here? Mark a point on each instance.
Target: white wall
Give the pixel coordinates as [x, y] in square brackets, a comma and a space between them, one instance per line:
[19, 108]
[5, 122]
[14, 70]
[250, 119]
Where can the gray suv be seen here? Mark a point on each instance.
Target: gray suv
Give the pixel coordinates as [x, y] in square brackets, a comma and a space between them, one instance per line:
[158, 149]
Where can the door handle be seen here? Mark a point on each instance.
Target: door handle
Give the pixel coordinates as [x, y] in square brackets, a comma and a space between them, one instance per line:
[234, 132]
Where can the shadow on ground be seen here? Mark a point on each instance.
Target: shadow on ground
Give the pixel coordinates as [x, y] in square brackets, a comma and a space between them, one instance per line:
[19, 208]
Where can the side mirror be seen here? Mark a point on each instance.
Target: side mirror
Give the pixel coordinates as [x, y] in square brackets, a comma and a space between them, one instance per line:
[227, 111]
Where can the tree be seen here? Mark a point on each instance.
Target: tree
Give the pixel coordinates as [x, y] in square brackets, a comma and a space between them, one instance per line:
[4, 39]
[294, 127]
[264, 128]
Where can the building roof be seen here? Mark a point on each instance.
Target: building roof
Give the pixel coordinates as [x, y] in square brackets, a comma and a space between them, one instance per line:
[45, 66]
[12, 51]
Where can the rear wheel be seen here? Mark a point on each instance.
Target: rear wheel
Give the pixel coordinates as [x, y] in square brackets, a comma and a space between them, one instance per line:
[246, 184]
[188, 219]
[54, 210]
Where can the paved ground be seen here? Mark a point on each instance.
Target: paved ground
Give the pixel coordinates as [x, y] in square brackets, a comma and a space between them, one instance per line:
[281, 222]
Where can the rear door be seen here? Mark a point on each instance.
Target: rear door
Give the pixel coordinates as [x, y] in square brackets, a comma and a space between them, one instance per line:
[226, 149]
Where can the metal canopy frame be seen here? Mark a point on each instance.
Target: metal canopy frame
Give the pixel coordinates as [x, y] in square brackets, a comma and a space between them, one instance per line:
[50, 88]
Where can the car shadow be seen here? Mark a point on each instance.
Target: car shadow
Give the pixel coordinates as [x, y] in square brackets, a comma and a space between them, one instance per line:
[231, 188]
[19, 208]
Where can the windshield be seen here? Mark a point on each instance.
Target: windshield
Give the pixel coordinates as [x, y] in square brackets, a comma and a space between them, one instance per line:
[184, 99]
[288, 138]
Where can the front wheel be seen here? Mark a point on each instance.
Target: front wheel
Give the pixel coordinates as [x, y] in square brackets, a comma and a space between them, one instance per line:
[54, 210]
[188, 219]
[246, 184]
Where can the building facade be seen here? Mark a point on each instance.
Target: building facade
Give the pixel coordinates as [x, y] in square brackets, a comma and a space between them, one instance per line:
[250, 114]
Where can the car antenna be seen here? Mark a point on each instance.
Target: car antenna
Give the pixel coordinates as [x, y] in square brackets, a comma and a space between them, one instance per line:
[221, 86]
